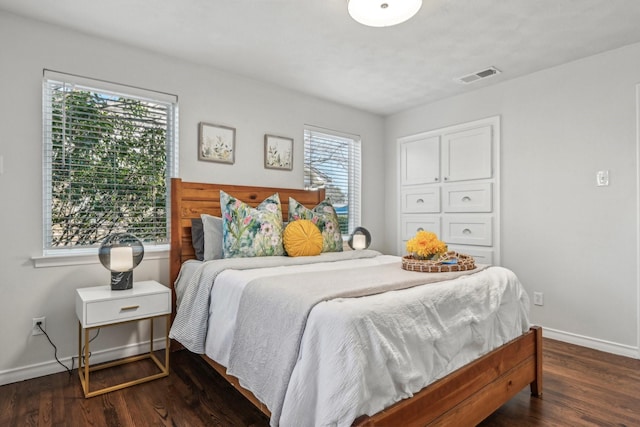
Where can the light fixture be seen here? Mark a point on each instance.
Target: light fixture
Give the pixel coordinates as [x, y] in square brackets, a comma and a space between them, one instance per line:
[383, 13]
[359, 239]
[121, 253]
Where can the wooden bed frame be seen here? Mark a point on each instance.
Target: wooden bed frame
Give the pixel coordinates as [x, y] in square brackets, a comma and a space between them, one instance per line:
[464, 397]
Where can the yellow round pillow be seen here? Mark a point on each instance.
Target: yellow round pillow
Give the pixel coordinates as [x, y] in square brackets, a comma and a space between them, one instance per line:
[302, 238]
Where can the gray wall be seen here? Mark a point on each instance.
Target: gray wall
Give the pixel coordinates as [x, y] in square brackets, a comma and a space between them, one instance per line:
[561, 234]
[205, 94]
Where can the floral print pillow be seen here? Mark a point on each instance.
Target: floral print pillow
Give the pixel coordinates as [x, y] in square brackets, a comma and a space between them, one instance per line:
[248, 231]
[325, 217]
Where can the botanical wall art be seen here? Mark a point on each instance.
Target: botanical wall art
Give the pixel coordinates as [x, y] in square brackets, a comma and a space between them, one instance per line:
[216, 143]
[278, 152]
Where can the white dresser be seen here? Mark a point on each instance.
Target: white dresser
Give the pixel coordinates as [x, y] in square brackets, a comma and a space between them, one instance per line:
[450, 185]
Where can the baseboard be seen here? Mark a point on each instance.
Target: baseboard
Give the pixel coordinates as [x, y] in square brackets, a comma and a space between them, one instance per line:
[53, 367]
[589, 342]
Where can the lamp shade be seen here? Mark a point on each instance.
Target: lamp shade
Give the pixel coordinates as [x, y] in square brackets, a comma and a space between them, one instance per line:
[383, 13]
[120, 253]
[359, 239]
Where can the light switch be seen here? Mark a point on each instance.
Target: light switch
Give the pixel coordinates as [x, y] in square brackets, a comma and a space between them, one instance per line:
[602, 178]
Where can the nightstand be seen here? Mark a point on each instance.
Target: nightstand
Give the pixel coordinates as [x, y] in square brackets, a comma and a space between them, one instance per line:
[99, 306]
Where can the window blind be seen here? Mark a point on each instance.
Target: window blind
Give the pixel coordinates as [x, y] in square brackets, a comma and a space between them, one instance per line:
[109, 151]
[332, 162]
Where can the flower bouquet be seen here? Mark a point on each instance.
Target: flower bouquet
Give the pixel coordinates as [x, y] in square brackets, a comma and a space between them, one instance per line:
[426, 245]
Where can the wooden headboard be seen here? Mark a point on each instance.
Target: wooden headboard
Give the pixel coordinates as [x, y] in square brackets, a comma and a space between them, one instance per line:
[190, 199]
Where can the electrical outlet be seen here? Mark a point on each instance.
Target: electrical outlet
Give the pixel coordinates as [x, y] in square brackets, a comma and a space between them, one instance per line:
[43, 323]
[602, 178]
[538, 298]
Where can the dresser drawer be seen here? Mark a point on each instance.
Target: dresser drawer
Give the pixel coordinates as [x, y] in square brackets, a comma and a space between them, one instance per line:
[467, 198]
[411, 224]
[480, 255]
[468, 230]
[421, 200]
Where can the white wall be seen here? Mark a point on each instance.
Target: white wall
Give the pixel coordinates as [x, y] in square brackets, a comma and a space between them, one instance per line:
[253, 108]
[561, 234]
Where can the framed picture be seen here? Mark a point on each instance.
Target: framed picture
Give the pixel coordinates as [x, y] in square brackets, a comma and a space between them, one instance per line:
[278, 152]
[216, 143]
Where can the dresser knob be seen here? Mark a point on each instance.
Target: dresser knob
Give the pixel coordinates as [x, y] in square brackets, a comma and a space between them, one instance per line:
[466, 231]
[419, 201]
[466, 199]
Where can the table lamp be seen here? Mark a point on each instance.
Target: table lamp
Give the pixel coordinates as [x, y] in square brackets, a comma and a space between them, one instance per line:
[359, 239]
[120, 253]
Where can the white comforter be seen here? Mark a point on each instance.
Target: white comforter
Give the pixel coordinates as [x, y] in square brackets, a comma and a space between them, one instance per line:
[360, 355]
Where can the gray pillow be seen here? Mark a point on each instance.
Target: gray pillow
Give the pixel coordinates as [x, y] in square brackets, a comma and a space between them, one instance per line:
[197, 238]
[212, 226]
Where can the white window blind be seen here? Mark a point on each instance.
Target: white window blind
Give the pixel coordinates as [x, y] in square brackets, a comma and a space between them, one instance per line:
[332, 162]
[109, 152]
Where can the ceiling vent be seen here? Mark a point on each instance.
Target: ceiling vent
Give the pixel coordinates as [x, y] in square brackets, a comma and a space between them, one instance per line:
[478, 75]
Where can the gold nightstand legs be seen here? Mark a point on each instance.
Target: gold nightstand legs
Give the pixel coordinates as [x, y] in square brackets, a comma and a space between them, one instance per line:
[84, 369]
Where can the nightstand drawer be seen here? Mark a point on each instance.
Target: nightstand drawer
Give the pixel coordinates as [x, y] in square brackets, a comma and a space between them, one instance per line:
[100, 305]
[123, 309]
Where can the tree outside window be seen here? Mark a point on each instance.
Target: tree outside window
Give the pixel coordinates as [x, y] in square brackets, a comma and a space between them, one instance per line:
[108, 158]
[332, 162]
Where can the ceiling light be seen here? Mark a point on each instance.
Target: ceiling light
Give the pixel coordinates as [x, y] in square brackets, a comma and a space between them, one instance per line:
[383, 13]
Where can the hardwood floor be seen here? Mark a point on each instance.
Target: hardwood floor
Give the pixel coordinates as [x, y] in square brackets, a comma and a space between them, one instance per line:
[582, 387]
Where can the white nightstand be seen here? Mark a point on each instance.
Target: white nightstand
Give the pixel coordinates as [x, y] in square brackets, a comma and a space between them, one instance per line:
[99, 306]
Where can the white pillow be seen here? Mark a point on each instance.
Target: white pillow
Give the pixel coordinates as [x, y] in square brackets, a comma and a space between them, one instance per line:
[212, 227]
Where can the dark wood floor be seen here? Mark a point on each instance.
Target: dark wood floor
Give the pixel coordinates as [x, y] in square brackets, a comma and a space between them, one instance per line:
[582, 387]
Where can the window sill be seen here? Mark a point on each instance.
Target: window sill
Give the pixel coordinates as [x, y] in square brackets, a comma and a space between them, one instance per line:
[90, 256]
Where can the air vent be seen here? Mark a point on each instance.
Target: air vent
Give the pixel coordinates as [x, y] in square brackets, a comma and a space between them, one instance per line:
[478, 75]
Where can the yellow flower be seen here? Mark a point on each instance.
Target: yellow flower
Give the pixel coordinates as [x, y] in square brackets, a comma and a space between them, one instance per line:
[425, 244]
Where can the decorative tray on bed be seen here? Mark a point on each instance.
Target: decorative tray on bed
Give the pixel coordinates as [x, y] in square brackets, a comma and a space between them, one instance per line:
[449, 261]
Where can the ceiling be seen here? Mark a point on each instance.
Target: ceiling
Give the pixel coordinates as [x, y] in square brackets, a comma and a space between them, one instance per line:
[313, 46]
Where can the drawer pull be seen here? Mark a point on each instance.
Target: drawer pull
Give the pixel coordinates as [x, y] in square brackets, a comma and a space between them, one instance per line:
[466, 199]
[420, 229]
[420, 201]
[435, 179]
[466, 231]
[130, 307]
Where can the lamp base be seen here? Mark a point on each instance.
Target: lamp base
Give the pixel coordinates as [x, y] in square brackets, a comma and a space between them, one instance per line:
[121, 281]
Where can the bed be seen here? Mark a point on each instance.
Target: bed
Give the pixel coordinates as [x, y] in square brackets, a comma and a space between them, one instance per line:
[464, 396]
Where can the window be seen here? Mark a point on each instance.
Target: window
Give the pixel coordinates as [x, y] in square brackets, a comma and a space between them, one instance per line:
[332, 162]
[109, 151]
